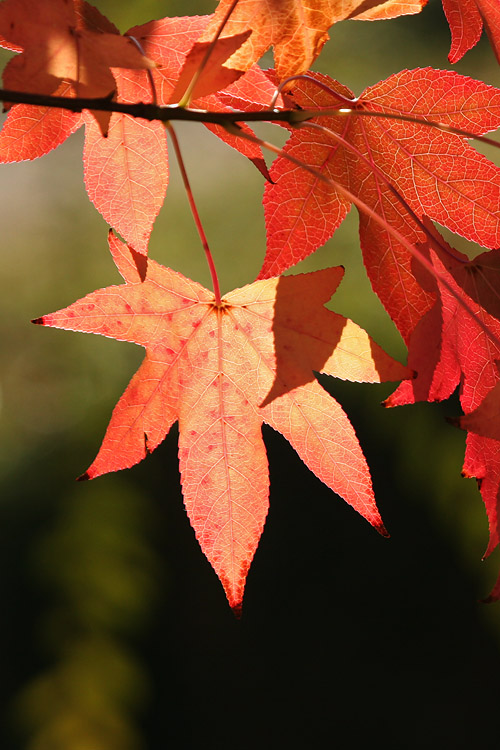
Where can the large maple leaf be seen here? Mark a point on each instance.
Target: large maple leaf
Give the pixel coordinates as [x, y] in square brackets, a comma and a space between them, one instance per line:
[222, 370]
[456, 345]
[466, 19]
[376, 159]
[297, 29]
[126, 173]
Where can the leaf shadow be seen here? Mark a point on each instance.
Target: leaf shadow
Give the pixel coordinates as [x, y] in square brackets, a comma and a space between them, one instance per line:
[305, 333]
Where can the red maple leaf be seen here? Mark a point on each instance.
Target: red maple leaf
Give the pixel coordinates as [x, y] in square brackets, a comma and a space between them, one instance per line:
[222, 371]
[296, 29]
[466, 19]
[126, 173]
[437, 172]
[451, 346]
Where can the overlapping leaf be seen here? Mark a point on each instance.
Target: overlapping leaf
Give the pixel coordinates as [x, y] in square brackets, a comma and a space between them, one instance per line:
[222, 371]
[436, 172]
[297, 29]
[126, 173]
[466, 19]
[448, 347]
[63, 40]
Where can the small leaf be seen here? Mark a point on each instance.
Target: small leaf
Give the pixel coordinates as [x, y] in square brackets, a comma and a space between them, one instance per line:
[215, 75]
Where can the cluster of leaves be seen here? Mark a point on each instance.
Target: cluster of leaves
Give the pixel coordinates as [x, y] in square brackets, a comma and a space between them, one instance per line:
[222, 366]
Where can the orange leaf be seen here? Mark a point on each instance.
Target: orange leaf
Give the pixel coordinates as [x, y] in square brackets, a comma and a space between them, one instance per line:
[466, 19]
[297, 29]
[214, 75]
[221, 371]
[126, 173]
[30, 132]
[61, 42]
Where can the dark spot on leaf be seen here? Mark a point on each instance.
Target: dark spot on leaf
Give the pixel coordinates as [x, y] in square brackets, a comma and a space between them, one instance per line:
[141, 263]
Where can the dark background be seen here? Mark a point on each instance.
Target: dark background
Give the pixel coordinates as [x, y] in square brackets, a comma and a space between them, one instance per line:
[115, 631]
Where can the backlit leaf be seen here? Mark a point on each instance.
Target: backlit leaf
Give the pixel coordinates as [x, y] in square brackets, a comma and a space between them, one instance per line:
[221, 371]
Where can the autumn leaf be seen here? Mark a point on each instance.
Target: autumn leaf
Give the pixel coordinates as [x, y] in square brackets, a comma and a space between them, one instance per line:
[31, 132]
[61, 43]
[437, 173]
[296, 29]
[221, 371]
[169, 42]
[452, 345]
[466, 19]
[205, 63]
[485, 420]
[126, 173]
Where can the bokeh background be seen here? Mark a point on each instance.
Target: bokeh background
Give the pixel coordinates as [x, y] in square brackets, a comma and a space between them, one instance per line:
[114, 631]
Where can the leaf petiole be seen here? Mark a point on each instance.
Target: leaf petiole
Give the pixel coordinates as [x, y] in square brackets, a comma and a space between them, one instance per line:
[319, 84]
[186, 99]
[194, 211]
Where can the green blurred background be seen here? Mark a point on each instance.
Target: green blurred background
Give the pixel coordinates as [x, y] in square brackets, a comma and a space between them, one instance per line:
[115, 633]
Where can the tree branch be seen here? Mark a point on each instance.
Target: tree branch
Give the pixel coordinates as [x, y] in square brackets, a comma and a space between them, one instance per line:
[150, 111]
[171, 112]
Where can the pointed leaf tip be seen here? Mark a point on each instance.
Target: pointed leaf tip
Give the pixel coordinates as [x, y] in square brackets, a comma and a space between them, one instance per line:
[39, 321]
[237, 610]
[383, 531]
[494, 594]
[83, 477]
[489, 600]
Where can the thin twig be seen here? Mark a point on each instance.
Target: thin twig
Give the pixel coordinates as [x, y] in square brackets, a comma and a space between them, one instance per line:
[304, 77]
[186, 99]
[196, 216]
[168, 113]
